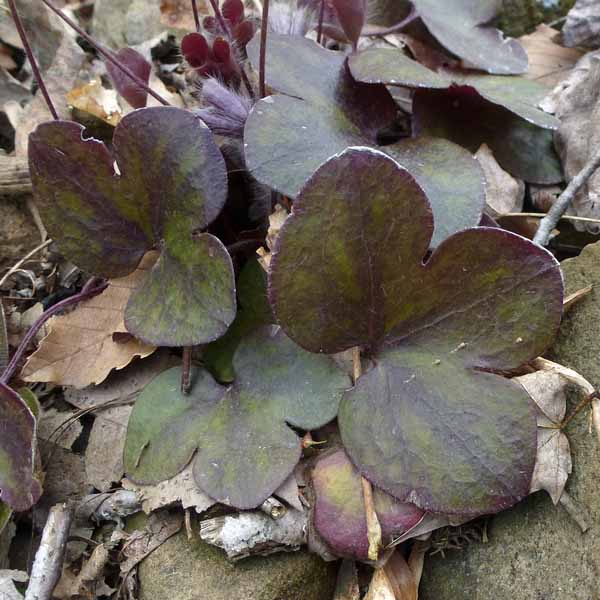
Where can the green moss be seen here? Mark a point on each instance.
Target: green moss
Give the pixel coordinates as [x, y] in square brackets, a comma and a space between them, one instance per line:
[523, 16]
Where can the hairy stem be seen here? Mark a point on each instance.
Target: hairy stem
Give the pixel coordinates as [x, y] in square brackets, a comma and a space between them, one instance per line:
[263, 49]
[196, 15]
[90, 289]
[320, 26]
[105, 53]
[32, 61]
[558, 209]
[186, 369]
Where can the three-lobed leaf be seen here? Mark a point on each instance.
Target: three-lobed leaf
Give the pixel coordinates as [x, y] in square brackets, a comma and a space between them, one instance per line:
[19, 488]
[351, 272]
[164, 181]
[245, 446]
[321, 110]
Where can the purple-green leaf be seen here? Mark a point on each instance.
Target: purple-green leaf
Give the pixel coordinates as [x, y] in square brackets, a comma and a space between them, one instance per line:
[322, 110]
[462, 26]
[339, 509]
[164, 180]
[245, 446]
[351, 272]
[351, 15]
[135, 62]
[461, 115]
[392, 67]
[19, 488]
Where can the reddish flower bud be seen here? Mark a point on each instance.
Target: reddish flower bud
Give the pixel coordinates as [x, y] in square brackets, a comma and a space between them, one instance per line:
[194, 48]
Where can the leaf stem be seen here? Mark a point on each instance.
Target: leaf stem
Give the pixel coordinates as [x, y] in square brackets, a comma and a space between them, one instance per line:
[263, 49]
[186, 368]
[373, 526]
[196, 15]
[580, 406]
[563, 202]
[219, 16]
[90, 289]
[30, 56]
[105, 53]
[374, 30]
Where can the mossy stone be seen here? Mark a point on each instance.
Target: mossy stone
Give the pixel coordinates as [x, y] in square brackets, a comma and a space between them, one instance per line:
[536, 551]
[519, 17]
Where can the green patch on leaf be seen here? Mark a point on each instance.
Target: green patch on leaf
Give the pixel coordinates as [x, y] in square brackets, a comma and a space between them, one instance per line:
[322, 110]
[351, 272]
[245, 446]
[164, 181]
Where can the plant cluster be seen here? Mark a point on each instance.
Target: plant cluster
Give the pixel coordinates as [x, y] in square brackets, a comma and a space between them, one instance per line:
[382, 251]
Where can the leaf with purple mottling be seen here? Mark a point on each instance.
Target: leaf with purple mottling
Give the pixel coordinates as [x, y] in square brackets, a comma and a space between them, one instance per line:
[164, 181]
[19, 488]
[245, 446]
[351, 272]
[321, 110]
[462, 26]
[339, 508]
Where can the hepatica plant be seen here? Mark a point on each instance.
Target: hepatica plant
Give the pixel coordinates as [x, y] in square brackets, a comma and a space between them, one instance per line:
[440, 313]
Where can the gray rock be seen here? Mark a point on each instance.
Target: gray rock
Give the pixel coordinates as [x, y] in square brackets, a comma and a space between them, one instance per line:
[582, 27]
[536, 551]
[183, 570]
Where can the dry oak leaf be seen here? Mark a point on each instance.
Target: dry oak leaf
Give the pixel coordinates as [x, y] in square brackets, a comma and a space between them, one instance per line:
[80, 349]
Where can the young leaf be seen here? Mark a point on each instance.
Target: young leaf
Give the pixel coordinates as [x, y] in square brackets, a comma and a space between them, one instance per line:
[351, 15]
[354, 276]
[18, 486]
[462, 26]
[339, 510]
[322, 110]
[164, 180]
[135, 62]
[245, 447]
[392, 67]
[523, 149]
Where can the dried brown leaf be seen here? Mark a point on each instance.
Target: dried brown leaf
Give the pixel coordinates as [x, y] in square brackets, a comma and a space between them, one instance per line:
[59, 427]
[80, 349]
[401, 578]
[347, 582]
[503, 193]
[549, 62]
[97, 101]
[380, 587]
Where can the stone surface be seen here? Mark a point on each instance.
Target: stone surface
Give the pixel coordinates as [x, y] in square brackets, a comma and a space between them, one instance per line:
[519, 17]
[182, 570]
[18, 233]
[536, 551]
[582, 27]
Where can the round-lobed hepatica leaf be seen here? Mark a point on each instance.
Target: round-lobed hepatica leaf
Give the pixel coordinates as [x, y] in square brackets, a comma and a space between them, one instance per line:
[135, 62]
[164, 180]
[322, 110]
[245, 447]
[522, 148]
[462, 26]
[350, 272]
[339, 510]
[390, 66]
[18, 486]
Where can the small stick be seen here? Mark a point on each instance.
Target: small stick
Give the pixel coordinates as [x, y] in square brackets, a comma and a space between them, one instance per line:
[573, 298]
[29, 52]
[548, 223]
[196, 15]
[185, 369]
[373, 526]
[90, 289]
[320, 27]
[105, 53]
[47, 565]
[263, 49]
[21, 262]
[543, 215]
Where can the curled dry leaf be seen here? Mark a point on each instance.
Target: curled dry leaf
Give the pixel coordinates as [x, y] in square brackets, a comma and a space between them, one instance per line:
[80, 349]
[553, 462]
[97, 101]
[503, 193]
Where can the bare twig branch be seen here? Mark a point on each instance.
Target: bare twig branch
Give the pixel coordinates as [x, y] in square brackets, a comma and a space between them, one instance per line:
[548, 223]
[47, 565]
[22, 261]
[533, 215]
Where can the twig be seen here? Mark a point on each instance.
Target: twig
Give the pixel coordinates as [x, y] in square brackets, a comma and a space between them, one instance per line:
[263, 49]
[544, 215]
[21, 262]
[548, 223]
[373, 526]
[14, 176]
[105, 53]
[320, 26]
[196, 15]
[47, 565]
[30, 56]
[575, 297]
[89, 291]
